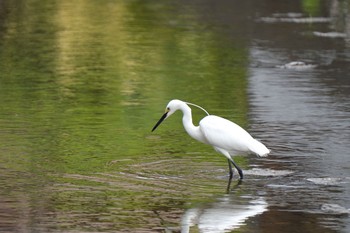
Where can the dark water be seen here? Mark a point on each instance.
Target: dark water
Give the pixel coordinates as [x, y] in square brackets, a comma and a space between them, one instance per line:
[83, 82]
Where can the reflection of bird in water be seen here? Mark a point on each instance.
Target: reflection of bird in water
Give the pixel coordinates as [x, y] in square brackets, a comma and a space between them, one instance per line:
[221, 216]
[225, 136]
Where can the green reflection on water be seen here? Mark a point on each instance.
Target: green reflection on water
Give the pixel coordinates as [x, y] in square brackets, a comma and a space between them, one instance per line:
[312, 7]
[82, 84]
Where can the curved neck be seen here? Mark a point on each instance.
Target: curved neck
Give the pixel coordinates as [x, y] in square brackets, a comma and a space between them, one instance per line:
[192, 130]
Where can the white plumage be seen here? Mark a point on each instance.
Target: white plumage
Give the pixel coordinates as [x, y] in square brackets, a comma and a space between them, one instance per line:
[238, 141]
[225, 136]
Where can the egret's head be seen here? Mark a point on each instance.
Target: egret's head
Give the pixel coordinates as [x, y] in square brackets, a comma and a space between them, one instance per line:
[172, 107]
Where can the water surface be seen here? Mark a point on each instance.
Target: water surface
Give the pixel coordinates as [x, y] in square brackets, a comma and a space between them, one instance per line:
[83, 83]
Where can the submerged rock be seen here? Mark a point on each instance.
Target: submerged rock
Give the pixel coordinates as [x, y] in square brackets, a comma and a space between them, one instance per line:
[297, 65]
[267, 172]
[327, 180]
[334, 209]
[330, 34]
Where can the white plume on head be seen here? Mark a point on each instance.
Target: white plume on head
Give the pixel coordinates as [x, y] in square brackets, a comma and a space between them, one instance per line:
[198, 107]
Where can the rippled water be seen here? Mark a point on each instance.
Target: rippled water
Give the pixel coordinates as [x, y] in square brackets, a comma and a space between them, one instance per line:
[82, 84]
[299, 97]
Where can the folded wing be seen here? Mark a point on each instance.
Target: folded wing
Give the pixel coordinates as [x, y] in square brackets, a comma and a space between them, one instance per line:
[229, 136]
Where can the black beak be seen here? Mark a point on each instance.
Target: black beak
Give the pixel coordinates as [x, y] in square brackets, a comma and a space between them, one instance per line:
[160, 121]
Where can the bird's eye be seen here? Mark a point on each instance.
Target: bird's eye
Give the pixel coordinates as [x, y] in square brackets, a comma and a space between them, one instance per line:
[168, 109]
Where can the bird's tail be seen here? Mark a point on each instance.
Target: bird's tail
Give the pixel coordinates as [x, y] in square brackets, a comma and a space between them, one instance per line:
[259, 149]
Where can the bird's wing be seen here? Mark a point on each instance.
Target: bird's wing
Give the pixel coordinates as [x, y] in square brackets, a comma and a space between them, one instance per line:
[226, 135]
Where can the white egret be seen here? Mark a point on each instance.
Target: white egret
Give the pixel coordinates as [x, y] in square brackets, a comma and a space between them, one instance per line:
[225, 136]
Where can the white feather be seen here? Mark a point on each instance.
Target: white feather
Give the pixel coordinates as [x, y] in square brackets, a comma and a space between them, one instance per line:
[224, 134]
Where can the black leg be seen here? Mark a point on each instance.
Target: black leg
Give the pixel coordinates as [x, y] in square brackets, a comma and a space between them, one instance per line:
[238, 169]
[230, 167]
[229, 185]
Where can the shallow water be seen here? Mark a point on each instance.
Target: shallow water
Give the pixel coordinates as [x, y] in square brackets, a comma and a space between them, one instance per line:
[83, 83]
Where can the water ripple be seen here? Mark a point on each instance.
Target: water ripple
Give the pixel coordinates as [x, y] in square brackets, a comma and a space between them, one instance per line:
[329, 180]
